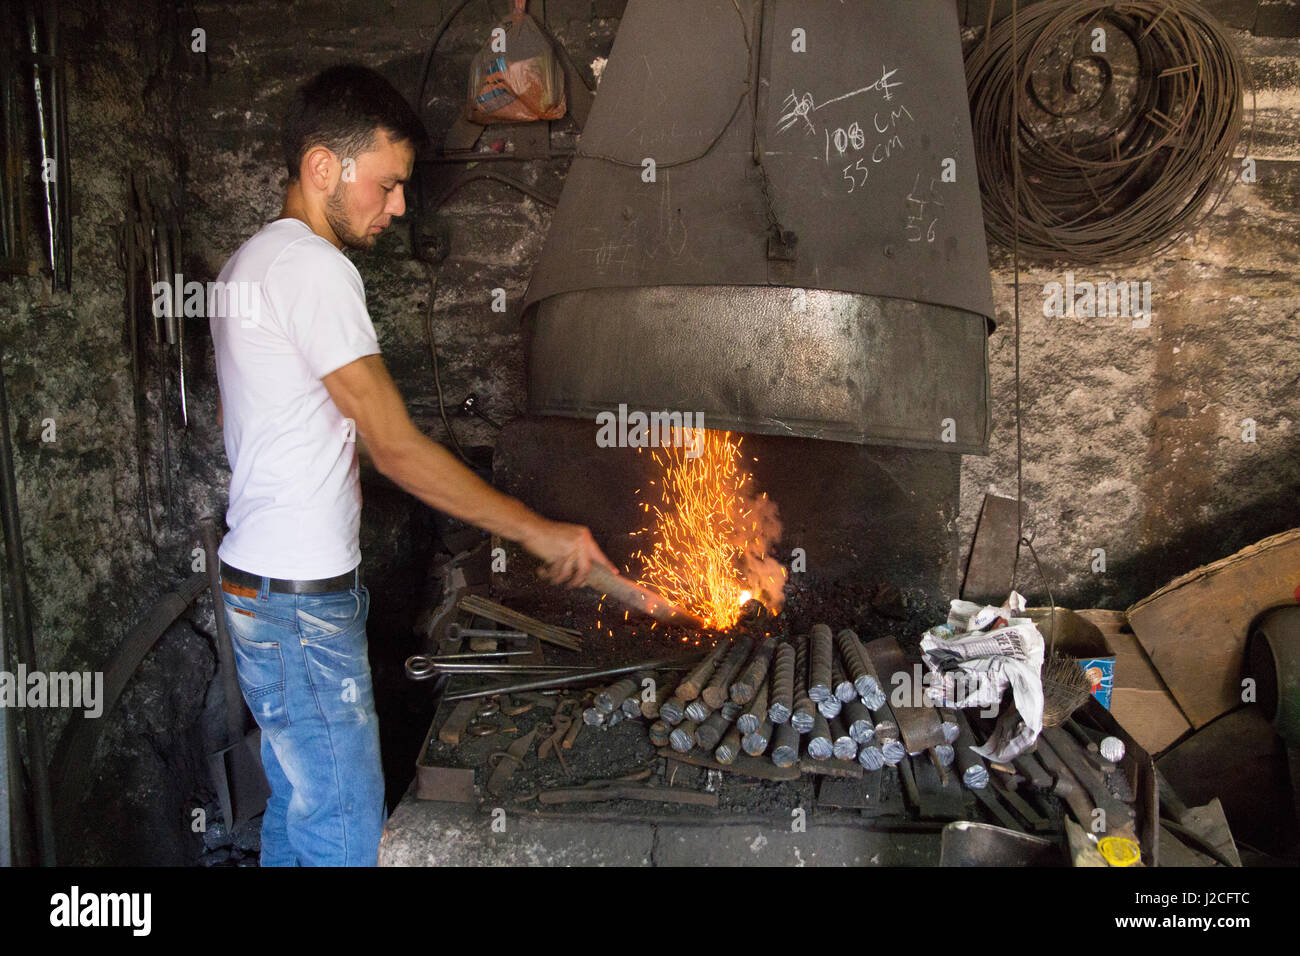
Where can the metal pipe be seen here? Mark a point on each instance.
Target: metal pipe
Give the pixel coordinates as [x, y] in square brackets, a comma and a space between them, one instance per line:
[755, 743]
[803, 711]
[755, 713]
[754, 675]
[719, 684]
[699, 675]
[656, 665]
[782, 691]
[819, 663]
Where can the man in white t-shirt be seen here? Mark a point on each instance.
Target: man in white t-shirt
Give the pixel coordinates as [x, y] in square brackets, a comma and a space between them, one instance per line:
[301, 382]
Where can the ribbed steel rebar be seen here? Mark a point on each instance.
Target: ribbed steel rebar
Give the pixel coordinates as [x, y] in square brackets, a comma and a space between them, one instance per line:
[698, 711]
[730, 709]
[782, 685]
[614, 717]
[871, 758]
[729, 749]
[874, 698]
[593, 717]
[860, 723]
[894, 752]
[613, 696]
[841, 686]
[785, 748]
[711, 731]
[672, 711]
[886, 732]
[754, 674]
[856, 665]
[830, 706]
[631, 706]
[803, 711]
[694, 681]
[820, 745]
[755, 743]
[945, 754]
[755, 713]
[843, 746]
[715, 693]
[682, 738]
[820, 651]
[660, 733]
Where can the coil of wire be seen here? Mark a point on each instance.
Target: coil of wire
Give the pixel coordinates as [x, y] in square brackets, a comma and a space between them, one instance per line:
[1120, 148]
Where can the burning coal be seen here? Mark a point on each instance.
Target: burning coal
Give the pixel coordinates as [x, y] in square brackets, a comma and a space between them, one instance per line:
[711, 532]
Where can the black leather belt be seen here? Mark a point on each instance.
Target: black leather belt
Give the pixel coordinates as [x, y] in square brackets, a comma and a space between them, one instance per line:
[253, 582]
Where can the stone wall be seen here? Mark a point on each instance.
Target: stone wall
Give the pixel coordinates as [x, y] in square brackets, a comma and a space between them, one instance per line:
[1132, 437]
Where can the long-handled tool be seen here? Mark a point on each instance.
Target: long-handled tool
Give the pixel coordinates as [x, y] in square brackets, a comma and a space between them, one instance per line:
[638, 598]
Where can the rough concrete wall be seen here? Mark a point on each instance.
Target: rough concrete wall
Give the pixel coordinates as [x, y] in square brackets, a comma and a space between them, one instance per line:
[1133, 437]
[92, 570]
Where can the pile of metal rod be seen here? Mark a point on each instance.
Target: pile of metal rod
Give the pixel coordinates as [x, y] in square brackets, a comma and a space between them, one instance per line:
[817, 697]
[565, 637]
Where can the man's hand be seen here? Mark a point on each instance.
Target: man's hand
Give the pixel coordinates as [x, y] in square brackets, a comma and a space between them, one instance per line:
[569, 553]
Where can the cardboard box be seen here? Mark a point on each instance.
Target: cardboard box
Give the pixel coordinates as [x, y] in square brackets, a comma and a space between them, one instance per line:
[1194, 628]
[1140, 701]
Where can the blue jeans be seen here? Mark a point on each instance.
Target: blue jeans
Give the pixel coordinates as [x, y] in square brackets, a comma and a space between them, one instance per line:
[304, 672]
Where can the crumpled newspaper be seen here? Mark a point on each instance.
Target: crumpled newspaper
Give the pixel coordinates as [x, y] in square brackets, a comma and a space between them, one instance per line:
[976, 656]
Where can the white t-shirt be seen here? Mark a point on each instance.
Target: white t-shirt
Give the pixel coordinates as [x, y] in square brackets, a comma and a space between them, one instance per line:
[288, 309]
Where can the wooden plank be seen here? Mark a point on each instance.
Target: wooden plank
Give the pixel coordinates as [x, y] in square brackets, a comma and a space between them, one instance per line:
[993, 552]
[1194, 628]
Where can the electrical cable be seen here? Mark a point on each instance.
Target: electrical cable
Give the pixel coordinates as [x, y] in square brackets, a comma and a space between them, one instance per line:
[433, 351]
[1095, 189]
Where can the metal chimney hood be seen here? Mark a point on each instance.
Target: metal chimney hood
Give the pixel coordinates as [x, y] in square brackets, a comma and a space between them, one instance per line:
[773, 219]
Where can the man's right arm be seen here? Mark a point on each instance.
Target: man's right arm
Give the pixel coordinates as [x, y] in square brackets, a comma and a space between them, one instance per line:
[364, 392]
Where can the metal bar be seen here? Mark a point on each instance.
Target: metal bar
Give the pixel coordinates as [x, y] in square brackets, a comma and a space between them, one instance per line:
[803, 712]
[699, 675]
[782, 685]
[754, 674]
[819, 663]
[756, 712]
[716, 691]
[655, 665]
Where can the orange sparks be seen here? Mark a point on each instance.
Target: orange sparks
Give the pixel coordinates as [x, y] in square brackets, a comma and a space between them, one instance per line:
[711, 533]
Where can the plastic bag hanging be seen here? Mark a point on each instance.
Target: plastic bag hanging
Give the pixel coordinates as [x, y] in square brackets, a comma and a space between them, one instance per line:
[515, 77]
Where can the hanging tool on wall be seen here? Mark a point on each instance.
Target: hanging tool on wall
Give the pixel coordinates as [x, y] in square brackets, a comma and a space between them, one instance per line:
[46, 73]
[151, 254]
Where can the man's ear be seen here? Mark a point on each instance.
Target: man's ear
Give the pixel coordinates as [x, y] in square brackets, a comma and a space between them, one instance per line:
[320, 168]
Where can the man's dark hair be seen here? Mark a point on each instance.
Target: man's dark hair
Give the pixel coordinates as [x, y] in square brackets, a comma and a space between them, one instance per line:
[341, 108]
